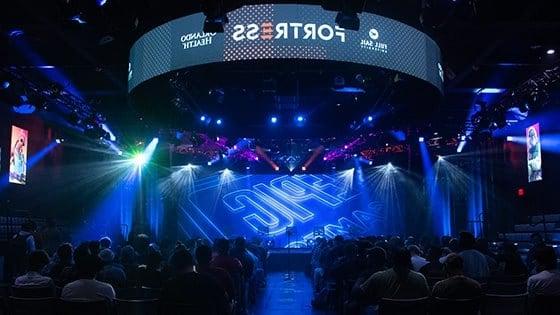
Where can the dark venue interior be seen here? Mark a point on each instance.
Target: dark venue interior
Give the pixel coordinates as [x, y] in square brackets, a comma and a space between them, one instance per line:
[279, 157]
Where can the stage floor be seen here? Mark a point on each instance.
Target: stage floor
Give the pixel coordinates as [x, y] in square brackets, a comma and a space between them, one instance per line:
[286, 295]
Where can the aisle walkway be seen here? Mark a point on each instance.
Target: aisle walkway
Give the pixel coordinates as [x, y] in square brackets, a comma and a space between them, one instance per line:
[290, 296]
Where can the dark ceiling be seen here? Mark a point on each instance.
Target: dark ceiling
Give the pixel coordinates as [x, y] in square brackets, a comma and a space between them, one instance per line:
[485, 43]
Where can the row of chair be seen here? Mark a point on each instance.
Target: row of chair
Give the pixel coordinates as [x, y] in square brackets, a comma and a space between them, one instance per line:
[53, 306]
[490, 304]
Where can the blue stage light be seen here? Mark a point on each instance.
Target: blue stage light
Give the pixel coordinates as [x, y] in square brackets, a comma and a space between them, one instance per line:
[59, 140]
[101, 2]
[209, 163]
[5, 85]
[370, 162]
[420, 139]
[218, 122]
[78, 19]
[550, 52]
[139, 160]
[203, 118]
[273, 119]
[15, 33]
[370, 118]
[300, 118]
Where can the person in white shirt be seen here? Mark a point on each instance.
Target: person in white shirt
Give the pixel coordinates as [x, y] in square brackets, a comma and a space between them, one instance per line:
[417, 261]
[86, 287]
[547, 280]
[33, 279]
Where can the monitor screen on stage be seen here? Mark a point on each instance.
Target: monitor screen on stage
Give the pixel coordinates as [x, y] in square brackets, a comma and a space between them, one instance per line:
[285, 31]
[534, 153]
[18, 156]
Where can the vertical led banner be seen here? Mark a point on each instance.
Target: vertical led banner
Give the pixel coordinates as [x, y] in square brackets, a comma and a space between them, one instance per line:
[534, 155]
[18, 156]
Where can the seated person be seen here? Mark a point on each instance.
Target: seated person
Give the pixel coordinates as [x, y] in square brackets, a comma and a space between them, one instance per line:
[203, 258]
[417, 260]
[399, 282]
[86, 287]
[105, 242]
[456, 286]
[111, 272]
[434, 268]
[547, 280]
[224, 260]
[150, 275]
[61, 260]
[33, 279]
[192, 288]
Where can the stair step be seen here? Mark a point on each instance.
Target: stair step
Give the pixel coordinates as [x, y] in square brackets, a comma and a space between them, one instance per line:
[547, 217]
[550, 227]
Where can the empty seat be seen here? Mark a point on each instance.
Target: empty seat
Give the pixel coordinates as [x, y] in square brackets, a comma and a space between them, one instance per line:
[544, 305]
[185, 309]
[442, 306]
[497, 304]
[31, 306]
[83, 307]
[32, 292]
[403, 306]
[136, 307]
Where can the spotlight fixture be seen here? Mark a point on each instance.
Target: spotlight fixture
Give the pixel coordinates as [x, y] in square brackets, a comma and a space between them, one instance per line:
[277, 168]
[140, 160]
[509, 138]
[440, 158]
[303, 168]
[300, 118]
[15, 33]
[203, 118]
[219, 122]
[550, 52]
[209, 163]
[59, 140]
[5, 85]
[273, 119]
[348, 20]
[370, 163]
[78, 19]
[370, 118]
[420, 139]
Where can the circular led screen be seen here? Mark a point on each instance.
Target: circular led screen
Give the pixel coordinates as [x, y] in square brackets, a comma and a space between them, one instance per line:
[284, 31]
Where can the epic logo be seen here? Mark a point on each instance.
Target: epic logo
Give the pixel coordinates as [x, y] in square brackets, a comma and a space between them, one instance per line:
[268, 31]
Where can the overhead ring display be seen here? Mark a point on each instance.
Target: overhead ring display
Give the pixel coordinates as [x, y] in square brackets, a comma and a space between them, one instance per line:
[284, 31]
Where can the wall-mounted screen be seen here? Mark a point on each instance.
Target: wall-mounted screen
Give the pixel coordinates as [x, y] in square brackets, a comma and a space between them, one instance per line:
[534, 155]
[18, 156]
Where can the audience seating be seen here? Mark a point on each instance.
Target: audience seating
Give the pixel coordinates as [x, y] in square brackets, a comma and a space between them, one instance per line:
[32, 306]
[185, 309]
[32, 292]
[72, 307]
[442, 306]
[138, 293]
[505, 287]
[544, 305]
[136, 307]
[404, 306]
[497, 304]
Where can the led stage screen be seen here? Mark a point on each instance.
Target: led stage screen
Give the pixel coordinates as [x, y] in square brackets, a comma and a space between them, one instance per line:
[265, 205]
[284, 31]
[18, 156]
[534, 155]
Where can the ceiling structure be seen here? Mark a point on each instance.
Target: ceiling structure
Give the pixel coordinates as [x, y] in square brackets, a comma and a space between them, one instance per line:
[485, 44]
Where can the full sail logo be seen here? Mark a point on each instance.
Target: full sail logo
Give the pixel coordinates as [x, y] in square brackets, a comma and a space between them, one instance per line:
[287, 30]
[372, 43]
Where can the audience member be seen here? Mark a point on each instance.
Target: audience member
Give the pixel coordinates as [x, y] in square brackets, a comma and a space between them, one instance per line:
[150, 275]
[482, 245]
[86, 287]
[434, 268]
[192, 288]
[474, 262]
[456, 286]
[417, 260]
[203, 259]
[547, 280]
[105, 242]
[224, 260]
[537, 243]
[22, 245]
[111, 272]
[399, 282]
[37, 261]
[51, 236]
[62, 259]
[510, 262]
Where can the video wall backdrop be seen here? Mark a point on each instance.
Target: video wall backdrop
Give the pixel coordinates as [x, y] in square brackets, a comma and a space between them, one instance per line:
[295, 209]
[283, 31]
